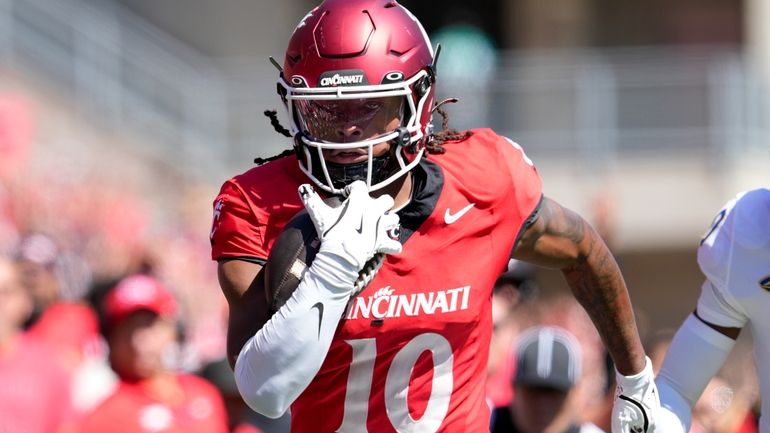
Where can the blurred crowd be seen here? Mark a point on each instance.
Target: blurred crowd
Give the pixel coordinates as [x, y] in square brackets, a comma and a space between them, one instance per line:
[72, 227]
[111, 319]
[118, 359]
[533, 334]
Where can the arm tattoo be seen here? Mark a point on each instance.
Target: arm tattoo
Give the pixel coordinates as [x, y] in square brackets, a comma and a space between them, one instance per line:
[594, 277]
[598, 285]
[563, 222]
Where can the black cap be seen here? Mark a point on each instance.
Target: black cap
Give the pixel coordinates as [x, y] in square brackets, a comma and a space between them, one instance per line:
[547, 357]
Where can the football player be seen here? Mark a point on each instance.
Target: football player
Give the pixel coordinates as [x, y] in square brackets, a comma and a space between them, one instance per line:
[734, 256]
[409, 352]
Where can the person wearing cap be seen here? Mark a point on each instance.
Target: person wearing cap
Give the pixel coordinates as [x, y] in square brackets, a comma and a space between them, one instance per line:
[140, 317]
[547, 370]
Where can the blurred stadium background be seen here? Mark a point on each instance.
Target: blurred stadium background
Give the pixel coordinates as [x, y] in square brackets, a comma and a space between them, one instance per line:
[119, 119]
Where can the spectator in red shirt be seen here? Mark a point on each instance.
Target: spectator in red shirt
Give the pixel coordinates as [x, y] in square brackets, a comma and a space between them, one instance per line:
[140, 325]
[34, 389]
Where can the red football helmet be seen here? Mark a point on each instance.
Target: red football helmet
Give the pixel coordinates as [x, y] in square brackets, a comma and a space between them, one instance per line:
[373, 56]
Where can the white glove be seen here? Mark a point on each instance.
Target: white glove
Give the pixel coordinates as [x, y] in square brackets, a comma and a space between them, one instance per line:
[351, 233]
[636, 402]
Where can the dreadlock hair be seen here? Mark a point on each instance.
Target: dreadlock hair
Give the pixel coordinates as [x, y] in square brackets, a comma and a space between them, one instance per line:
[436, 141]
[273, 115]
[433, 145]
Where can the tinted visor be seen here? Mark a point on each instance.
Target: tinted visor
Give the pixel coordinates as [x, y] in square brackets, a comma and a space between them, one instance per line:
[350, 120]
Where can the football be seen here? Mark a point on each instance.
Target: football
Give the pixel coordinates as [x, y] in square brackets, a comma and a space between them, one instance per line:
[291, 255]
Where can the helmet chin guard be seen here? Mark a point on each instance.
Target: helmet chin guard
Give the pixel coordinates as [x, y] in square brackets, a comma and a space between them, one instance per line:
[383, 53]
[376, 171]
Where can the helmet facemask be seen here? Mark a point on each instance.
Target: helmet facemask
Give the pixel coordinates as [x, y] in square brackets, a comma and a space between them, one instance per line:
[350, 122]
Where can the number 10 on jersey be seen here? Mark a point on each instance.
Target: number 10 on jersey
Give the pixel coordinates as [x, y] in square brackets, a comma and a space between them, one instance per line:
[397, 385]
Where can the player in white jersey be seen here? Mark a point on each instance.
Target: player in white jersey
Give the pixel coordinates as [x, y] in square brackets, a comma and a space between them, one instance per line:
[735, 258]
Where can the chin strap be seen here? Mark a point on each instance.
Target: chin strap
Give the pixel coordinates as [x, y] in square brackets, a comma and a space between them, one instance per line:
[345, 174]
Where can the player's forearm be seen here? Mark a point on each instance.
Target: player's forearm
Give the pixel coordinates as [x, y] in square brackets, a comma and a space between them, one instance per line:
[242, 283]
[281, 359]
[596, 281]
[561, 239]
[241, 326]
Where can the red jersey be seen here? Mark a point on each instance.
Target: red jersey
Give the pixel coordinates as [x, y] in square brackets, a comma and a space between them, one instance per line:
[34, 388]
[131, 409]
[410, 353]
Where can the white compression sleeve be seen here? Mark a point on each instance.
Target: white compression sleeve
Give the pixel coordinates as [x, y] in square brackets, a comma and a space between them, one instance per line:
[696, 354]
[281, 359]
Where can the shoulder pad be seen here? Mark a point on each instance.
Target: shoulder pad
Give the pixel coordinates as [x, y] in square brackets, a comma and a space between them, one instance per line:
[743, 222]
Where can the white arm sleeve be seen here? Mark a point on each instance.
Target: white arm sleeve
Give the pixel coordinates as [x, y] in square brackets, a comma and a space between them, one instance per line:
[696, 354]
[281, 359]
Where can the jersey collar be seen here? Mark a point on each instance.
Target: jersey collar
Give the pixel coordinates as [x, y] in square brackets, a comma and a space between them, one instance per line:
[428, 181]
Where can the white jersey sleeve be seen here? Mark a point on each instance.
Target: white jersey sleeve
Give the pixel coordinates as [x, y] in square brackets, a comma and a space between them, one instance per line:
[734, 256]
[738, 229]
[717, 307]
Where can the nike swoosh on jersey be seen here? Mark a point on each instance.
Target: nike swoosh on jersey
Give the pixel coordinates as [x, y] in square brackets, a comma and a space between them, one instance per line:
[450, 217]
[320, 307]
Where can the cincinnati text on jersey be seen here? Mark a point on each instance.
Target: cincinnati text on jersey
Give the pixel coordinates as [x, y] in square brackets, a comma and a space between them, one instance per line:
[385, 303]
